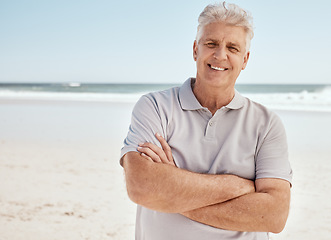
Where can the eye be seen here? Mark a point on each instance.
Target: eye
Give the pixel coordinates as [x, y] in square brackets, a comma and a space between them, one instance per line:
[211, 44]
[233, 49]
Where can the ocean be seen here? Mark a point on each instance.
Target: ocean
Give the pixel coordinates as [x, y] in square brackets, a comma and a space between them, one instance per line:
[305, 97]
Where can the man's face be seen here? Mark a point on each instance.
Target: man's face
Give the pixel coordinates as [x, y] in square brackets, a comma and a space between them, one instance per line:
[220, 54]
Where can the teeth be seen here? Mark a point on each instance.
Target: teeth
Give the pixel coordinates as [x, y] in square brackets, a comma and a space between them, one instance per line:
[217, 68]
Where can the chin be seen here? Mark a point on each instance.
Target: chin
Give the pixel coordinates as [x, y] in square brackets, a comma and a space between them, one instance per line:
[219, 82]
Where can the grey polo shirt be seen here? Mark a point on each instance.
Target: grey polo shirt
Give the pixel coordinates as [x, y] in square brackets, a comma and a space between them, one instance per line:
[243, 138]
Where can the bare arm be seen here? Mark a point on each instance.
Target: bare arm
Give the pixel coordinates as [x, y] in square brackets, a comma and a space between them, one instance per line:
[266, 210]
[166, 188]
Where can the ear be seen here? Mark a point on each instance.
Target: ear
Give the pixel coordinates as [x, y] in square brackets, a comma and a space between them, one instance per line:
[195, 50]
[246, 57]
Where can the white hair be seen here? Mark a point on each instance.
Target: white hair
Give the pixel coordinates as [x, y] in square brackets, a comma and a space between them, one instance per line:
[230, 14]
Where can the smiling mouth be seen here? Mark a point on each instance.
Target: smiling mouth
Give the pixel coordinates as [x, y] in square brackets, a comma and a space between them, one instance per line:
[217, 68]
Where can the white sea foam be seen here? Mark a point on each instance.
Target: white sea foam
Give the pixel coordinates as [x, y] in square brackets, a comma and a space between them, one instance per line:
[70, 96]
[305, 101]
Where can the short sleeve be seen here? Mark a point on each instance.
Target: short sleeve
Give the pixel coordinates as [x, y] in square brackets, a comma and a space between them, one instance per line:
[145, 123]
[272, 157]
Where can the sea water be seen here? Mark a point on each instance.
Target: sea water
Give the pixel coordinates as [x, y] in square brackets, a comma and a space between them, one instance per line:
[276, 96]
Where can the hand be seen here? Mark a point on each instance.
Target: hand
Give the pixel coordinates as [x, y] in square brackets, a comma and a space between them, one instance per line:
[155, 153]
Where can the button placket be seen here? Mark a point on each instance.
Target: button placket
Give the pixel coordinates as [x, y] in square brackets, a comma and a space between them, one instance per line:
[211, 128]
[212, 123]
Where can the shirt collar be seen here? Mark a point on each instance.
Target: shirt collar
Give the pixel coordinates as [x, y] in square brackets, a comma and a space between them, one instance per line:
[237, 102]
[186, 97]
[188, 101]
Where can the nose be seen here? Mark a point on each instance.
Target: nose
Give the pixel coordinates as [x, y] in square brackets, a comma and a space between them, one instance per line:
[220, 53]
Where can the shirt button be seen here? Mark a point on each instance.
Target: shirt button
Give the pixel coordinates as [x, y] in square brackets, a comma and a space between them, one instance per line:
[211, 124]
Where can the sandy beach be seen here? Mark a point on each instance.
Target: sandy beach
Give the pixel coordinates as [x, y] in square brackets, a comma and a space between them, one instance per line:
[60, 177]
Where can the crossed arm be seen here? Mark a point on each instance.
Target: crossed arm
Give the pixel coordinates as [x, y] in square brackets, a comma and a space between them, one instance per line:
[222, 201]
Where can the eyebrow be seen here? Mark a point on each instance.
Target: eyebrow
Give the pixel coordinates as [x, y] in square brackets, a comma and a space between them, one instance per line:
[211, 39]
[232, 44]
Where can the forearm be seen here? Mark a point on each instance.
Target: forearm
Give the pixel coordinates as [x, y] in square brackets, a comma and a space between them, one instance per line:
[264, 211]
[166, 188]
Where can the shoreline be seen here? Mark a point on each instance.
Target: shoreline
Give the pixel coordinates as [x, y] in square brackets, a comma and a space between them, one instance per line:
[131, 99]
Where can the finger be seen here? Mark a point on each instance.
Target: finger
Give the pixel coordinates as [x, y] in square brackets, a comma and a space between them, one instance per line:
[150, 153]
[146, 157]
[157, 150]
[165, 146]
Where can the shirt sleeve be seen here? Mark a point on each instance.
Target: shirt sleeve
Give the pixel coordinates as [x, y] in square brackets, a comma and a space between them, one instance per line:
[272, 158]
[145, 123]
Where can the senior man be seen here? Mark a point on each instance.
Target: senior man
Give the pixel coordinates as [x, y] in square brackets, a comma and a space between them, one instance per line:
[202, 161]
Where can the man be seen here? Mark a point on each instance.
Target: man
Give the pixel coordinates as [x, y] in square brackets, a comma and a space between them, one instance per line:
[202, 161]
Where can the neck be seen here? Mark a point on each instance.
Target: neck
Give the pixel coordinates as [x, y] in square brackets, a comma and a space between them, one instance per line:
[211, 97]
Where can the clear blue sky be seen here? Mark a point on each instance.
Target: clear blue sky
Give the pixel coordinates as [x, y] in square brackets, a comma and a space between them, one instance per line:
[151, 41]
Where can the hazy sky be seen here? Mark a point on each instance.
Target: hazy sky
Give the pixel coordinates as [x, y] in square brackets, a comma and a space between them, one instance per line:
[151, 41]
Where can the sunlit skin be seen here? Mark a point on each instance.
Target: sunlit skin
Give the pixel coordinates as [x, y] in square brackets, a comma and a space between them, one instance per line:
[220, 55]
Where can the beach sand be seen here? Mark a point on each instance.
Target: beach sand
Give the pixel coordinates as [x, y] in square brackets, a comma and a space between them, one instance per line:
[60, 177]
